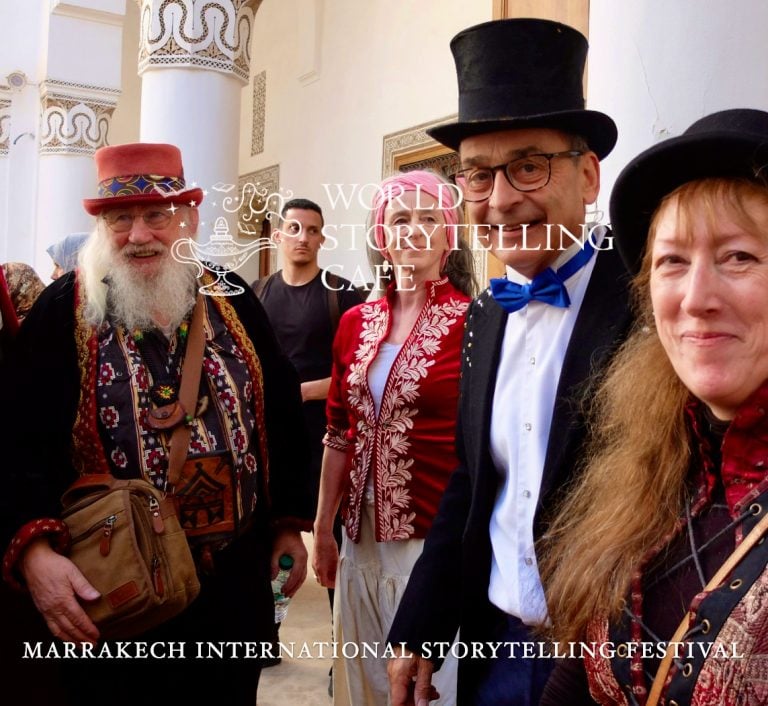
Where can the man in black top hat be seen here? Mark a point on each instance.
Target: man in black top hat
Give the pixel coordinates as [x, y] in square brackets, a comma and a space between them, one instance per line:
[529, 167]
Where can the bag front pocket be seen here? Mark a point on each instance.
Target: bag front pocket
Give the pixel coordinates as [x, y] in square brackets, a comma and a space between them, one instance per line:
[103, 540]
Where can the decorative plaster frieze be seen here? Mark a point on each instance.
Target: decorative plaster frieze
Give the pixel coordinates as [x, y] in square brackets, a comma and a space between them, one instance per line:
[213, 35]
[75, 117]
[97, 91]
[407, 141]
[5, 126]
[259, 112]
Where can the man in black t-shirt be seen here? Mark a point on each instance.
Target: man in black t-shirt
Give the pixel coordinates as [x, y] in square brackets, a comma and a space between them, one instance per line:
[304, 306]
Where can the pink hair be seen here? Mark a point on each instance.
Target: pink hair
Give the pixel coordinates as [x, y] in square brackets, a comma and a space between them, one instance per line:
[419, 180]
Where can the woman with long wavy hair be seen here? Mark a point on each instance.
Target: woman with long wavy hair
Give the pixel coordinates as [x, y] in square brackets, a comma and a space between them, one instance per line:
[652, 573]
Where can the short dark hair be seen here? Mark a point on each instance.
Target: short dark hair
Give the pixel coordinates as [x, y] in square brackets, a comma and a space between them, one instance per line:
[304, 205]
[578, 143]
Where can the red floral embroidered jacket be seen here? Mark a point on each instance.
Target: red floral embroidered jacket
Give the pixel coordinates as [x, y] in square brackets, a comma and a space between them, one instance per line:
[410, 447]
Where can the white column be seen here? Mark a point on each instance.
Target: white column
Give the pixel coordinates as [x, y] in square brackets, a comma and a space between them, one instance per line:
[194, 59]
[77, 99]
[74, 124]
[657, 66]
[5, 145]
[14, 249]
[22, 170]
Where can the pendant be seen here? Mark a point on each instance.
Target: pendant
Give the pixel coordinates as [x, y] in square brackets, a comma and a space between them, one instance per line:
[163, 393]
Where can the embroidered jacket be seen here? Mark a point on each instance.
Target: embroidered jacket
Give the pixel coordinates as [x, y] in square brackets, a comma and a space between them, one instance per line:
[409, 449]
[724, 656]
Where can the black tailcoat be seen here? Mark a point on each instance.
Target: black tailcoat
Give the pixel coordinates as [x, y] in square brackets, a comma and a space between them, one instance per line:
[448, 588]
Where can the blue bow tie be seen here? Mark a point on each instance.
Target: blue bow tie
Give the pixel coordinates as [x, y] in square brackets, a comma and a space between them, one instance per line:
[547, 286]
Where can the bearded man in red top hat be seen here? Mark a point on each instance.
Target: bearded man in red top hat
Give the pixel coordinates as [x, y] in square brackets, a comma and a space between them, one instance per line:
[98, 359]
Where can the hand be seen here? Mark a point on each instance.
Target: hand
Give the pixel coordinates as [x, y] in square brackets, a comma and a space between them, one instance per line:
[55, 584]
[290, 542]
[326, 558]
[315, 389]
[401, 670]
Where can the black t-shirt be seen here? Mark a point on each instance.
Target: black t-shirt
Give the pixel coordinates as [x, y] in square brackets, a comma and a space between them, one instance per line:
[301, 319]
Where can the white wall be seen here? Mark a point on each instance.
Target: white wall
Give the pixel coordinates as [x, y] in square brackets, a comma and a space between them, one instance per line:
[657, 66]
[125, 120]
[75, 47]
[383, 67]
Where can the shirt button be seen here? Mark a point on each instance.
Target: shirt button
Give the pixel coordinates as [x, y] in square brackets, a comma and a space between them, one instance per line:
[528, 561]
[527, 426]
[526, 493]
[532, 360]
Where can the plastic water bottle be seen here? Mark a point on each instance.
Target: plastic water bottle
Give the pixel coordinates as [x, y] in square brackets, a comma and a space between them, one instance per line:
[281, 601]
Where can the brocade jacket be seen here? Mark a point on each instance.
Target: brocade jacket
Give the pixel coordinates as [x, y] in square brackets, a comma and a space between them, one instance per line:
[409, 448]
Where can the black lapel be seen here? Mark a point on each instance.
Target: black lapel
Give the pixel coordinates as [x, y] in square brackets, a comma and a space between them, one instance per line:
[480, 363]
[602, 324]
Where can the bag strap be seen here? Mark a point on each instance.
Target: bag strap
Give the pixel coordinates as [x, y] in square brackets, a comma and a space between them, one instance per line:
[260, 284]
[728, 566]
[188, 393]
[333, 301]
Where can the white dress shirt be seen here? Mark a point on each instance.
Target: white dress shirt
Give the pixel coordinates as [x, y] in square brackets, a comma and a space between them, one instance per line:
[533, 349]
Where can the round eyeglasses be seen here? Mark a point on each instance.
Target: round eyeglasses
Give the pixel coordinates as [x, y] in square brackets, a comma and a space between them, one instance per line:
[121, 221]
[527, 173]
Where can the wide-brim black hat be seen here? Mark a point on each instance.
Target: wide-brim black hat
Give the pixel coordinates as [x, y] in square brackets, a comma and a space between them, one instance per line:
[523, 73]
[730, 143]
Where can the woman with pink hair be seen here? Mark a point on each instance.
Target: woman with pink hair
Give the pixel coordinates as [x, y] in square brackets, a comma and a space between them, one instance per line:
[391, 409]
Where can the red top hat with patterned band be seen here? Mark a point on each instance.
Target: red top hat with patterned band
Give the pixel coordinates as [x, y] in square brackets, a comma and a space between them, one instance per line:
[140, 173]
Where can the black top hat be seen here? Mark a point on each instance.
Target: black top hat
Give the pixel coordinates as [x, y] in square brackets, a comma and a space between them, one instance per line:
[730, 143]
[523, 73]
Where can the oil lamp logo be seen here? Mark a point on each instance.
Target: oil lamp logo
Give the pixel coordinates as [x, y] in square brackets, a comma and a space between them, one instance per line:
[222, 254]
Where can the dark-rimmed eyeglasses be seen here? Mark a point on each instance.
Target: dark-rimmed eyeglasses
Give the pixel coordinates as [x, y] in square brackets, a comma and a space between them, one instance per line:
[527, 173]
[121, 221]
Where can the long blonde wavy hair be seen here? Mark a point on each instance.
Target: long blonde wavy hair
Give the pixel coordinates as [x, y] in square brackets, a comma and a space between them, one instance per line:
[633, 487]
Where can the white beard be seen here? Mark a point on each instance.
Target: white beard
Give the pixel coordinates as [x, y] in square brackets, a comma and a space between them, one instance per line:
[138, 301]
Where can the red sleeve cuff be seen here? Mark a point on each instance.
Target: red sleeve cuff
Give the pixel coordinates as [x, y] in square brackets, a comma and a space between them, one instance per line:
[336, 439]
[58, 534]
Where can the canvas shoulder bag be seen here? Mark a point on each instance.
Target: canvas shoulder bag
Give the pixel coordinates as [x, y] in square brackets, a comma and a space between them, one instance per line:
[127, 541]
